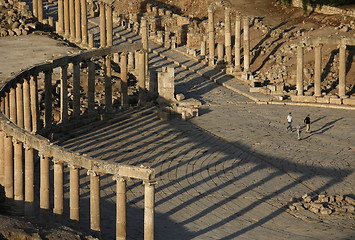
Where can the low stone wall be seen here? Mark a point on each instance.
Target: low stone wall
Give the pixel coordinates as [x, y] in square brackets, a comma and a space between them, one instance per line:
[329, 10]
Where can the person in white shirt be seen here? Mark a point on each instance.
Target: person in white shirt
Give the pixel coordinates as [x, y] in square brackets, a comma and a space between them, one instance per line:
[289, 121]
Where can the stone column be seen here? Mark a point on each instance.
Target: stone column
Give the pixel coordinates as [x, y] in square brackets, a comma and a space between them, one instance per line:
[76, 90]
[299, 81]
[228, 37]
[141, 79]
[19, 105]
[84, 23]
[342, 70]
[237, 43]
[8, 168]
[40, 10]
[48, 98]
[246, 44]
[149, 210]
[72, 19]
[131, 61]
[60, 17]
[27, 105]
[64, 94]
[13, 111]
[74, 195]
[109, 25]
[108, 84]
[124, 81]
[44, 187]
[29, 182]
[103, 42]
[91, 86]
[7, 105]
[210, 36]
[18, 176]
[35, 8]
[66, 20]
[95, 223]
[77, 21]
[144, 31]
[58, 189]
[318, 70]
[2, 156]
[203, 48]
[34, 103]
[91, 41]
[220, 53]
[121, 217]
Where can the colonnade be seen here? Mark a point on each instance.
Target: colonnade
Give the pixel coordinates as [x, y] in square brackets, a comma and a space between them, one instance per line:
[227, 43]
[318, 43]
[21, 147]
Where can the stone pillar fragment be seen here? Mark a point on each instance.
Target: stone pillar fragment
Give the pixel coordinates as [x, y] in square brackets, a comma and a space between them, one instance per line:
[35, 8]
[299, 80]
[149, 210]
[13, 111]
[166, 83]
[237, 43]
[220, 52]
[2, 156]
[141, 79]
[27, 105]
[210, 36]
[19, 105]
[342, 70]
[203, 48]
[18, 177]
[318, 70]
[246, 46]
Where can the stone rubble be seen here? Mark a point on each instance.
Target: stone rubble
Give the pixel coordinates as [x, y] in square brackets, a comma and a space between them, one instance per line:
[324, 204]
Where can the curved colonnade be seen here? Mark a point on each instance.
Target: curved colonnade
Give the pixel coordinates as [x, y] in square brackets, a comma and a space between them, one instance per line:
[22, 147]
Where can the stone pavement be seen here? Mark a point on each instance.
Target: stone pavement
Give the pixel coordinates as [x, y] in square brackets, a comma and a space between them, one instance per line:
[229, 173]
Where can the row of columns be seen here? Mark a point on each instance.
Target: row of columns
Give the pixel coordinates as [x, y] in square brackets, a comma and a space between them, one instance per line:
[20, 105]
[106, 25]
[228, 45]
[318, 70]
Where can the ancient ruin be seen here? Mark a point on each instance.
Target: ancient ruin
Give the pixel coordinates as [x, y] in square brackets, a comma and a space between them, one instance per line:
[106, 78]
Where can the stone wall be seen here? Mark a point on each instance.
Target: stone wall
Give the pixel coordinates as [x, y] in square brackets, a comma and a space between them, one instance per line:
[325, 9]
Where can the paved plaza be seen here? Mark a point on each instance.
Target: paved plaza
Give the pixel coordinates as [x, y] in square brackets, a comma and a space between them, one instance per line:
[229, 173]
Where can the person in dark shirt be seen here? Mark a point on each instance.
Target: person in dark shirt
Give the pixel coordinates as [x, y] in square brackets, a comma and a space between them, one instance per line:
[307, 121]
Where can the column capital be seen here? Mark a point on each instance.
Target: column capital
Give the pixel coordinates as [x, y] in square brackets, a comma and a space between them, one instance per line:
[93, 173]
[57, 161]
[72, 166]
[150, 182]
[16, 141]
[119, 178]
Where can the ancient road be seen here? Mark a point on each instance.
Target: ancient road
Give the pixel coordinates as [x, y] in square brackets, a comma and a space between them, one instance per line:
[229, 173]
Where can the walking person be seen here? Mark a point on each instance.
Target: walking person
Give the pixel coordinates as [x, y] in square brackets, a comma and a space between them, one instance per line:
[298, 128]
[307, 121]
[289, 121]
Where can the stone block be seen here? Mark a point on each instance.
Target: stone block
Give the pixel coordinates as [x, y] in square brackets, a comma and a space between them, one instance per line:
[335, 100]
[349, 101]
[322, 100]
[307, 99]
